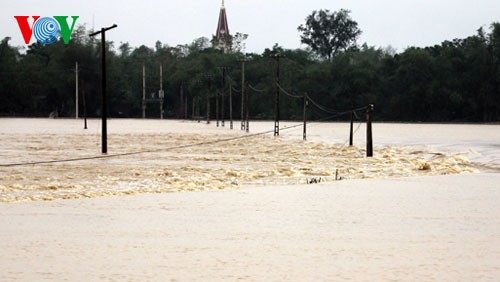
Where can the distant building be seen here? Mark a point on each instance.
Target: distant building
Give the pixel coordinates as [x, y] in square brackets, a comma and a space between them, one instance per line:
[223, 40]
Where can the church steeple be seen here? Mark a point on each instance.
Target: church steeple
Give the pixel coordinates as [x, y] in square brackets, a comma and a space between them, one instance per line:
[222, 36]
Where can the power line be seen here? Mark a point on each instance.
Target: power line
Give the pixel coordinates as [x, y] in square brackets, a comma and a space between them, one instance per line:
[320, 107]
[177, 147]
[145, 151]
[255, 89]
[288, 94]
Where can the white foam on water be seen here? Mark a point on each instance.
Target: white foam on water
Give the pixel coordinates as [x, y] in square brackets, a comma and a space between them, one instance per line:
[168, 166]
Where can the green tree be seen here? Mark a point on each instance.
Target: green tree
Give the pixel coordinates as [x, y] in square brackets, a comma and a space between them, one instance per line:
[494, 42]
[329, 33]
[8, 64]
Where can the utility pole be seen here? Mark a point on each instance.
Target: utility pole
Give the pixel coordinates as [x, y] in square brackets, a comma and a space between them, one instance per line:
[161, 94]
[247, 111]
[217, 107]
[198, 110]
[243, 97]
[208, 98]
[143, 91]
[277, 98]
[104, 136]
[369, 136]
[192, 112]
[76, 90]
[230, 106]
[223, 94]
[304, 133]
[351, 132]
[84, 109]
[183, 101]
[186, 101]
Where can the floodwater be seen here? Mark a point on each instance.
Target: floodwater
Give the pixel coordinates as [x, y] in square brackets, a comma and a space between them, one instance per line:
[158, 156]
[390, 227]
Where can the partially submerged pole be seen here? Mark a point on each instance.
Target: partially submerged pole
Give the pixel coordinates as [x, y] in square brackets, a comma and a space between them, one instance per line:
[161, 94]
[369, 137]
[84, 110]
[76, 90]
[186, 101]
[143, 91]
[243, 95]
[104, 113]
[192, 114]
[217, 107]
[222, 98]
[351, 132]
[230, 107]
[208, 99]
[198, 110]
[304, 134]
[277, 98]
[247, 111]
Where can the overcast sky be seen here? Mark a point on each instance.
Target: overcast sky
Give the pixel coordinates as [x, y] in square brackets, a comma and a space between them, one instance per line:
[398, 23]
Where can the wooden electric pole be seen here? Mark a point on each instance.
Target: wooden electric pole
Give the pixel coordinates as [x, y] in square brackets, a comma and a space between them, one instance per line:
[104, 110]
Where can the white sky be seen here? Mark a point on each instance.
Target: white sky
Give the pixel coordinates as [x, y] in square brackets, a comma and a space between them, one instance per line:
[399, 23]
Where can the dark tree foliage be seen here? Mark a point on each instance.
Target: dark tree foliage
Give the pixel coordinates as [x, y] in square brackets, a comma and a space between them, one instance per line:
[457, 80]
[8, 73]
[329, 33]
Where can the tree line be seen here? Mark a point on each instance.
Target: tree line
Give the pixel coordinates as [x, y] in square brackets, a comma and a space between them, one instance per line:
[457, 80]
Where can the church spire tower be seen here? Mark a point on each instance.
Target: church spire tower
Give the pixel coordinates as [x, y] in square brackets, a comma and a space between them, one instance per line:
[222, 36]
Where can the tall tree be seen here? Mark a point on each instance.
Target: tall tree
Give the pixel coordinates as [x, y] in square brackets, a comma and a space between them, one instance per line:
[494, 39]
[328, 33]
[8, 63]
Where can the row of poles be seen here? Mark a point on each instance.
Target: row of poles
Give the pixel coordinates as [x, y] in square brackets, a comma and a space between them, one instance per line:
[220, 113]
[369, 118]
[245, 109]
[196, 105]
[161, 93]
[245, 124]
